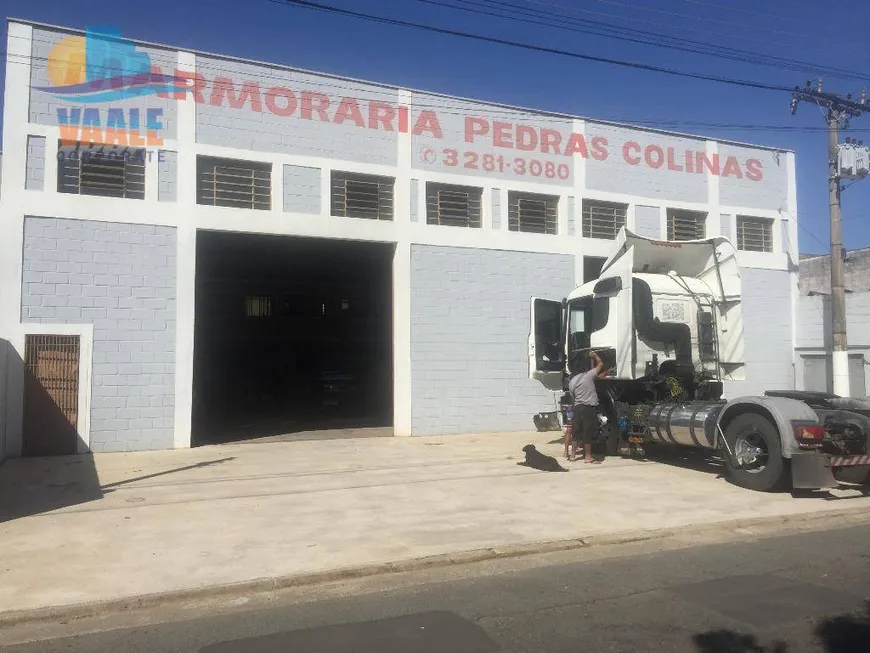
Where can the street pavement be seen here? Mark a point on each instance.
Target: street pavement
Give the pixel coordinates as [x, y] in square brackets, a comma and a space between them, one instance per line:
[804, 592]
[115, 527]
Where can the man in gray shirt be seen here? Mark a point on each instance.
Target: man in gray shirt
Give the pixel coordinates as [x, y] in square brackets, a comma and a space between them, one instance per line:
[584, 399]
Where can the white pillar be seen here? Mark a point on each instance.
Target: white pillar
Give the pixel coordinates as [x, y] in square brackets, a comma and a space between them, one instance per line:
[185, 279]
[402, 391]
[16, 114]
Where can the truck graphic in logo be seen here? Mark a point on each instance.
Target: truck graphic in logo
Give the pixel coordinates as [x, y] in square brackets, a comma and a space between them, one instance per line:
[101, 66]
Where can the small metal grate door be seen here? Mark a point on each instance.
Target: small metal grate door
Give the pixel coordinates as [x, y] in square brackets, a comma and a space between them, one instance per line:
[51, 395]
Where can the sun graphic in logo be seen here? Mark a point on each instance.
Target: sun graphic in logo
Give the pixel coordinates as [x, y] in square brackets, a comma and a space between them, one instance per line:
[67, 62]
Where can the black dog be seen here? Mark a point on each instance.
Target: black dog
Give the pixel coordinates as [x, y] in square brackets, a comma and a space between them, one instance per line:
[536, 459]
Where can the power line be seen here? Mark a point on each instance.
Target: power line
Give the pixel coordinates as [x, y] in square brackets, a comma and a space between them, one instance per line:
[750, 12]
[496, 110]
[740, 35]
[529, 46]
[498, 9]
[742, 26]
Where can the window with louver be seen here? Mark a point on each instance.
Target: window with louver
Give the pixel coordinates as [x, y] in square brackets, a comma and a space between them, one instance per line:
[533, 213]
[686, 225]
[454, 206]
[84, 169]
[603, 219]
[234, 183]
[754, 234]
[362, 196]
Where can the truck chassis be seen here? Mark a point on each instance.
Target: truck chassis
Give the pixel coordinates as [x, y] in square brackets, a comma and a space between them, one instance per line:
[769, 442]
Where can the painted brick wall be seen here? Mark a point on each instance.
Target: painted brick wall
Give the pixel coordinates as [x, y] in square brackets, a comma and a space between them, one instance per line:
[725, 229]
[44, 106]
[766, 332]
[452, 113]
[615, 175]
[815, 273]
[167, 176]
[469, 337]
[648, 221]
[415, 200]
[301, 189]
[264, 131]
[120, 278]
[35, 179]
[496, 208]
[769, 193]
[569, 208]
[814, 320]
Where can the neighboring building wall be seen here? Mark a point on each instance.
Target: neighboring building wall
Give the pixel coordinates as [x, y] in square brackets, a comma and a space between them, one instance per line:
[814, 341]
[469, 328]
[815, 273]
[121, 279]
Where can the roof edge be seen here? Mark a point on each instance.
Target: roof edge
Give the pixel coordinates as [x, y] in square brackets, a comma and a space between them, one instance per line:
[499, 105]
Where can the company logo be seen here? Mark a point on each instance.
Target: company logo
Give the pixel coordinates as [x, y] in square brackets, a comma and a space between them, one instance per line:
[101, 66]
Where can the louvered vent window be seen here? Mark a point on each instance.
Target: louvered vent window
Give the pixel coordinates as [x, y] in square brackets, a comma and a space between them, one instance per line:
[362, 196]
[233, 183]
[686, 225]
[453, 206]
[103, 171]
[603, 219]
[258, 306]
[532, 213]
[754, 234]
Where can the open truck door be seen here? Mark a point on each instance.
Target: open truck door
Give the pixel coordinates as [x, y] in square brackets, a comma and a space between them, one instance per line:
[547, 342]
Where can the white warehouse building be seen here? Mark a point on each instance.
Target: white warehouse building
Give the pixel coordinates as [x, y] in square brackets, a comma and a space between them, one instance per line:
[280, 250]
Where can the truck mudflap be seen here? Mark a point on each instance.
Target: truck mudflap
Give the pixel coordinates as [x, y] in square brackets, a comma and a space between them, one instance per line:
[812, 471]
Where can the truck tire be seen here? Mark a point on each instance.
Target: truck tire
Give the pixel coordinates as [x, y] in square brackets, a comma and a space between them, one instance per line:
[755, 443]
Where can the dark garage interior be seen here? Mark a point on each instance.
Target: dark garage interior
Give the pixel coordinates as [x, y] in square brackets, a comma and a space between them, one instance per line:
[293, 337]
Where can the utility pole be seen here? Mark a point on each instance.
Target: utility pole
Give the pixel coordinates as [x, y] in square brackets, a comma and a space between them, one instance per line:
[837, 109]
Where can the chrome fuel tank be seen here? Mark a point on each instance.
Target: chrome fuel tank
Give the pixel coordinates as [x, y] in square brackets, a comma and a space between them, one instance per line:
[692, 424]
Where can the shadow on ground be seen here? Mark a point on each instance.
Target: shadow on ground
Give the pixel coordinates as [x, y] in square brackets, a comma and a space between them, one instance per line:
[34, 486]
[428, 632]
[842, 634]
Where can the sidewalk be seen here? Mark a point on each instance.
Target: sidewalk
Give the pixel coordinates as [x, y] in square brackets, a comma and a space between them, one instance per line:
[100, 528]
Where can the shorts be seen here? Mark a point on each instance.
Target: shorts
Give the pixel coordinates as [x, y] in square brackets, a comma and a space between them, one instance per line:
[585, 423]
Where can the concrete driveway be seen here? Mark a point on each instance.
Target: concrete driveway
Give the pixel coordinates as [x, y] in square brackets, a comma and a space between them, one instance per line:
[112, 526]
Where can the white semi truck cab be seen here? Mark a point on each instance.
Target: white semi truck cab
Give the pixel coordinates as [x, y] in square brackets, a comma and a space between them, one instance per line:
[666, 318]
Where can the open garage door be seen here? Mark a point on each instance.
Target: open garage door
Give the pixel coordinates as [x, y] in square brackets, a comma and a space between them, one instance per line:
[293, 338]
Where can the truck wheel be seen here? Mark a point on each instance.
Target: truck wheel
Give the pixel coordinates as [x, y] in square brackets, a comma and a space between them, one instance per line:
[755, 444]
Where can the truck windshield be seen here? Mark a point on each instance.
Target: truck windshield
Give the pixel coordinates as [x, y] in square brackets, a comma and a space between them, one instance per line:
[585, 316]
[579, 320]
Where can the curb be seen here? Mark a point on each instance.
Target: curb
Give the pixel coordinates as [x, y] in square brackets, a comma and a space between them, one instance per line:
[64, 613]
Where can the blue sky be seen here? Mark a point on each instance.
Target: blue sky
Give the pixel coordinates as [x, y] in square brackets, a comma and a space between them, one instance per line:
[795, 29]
